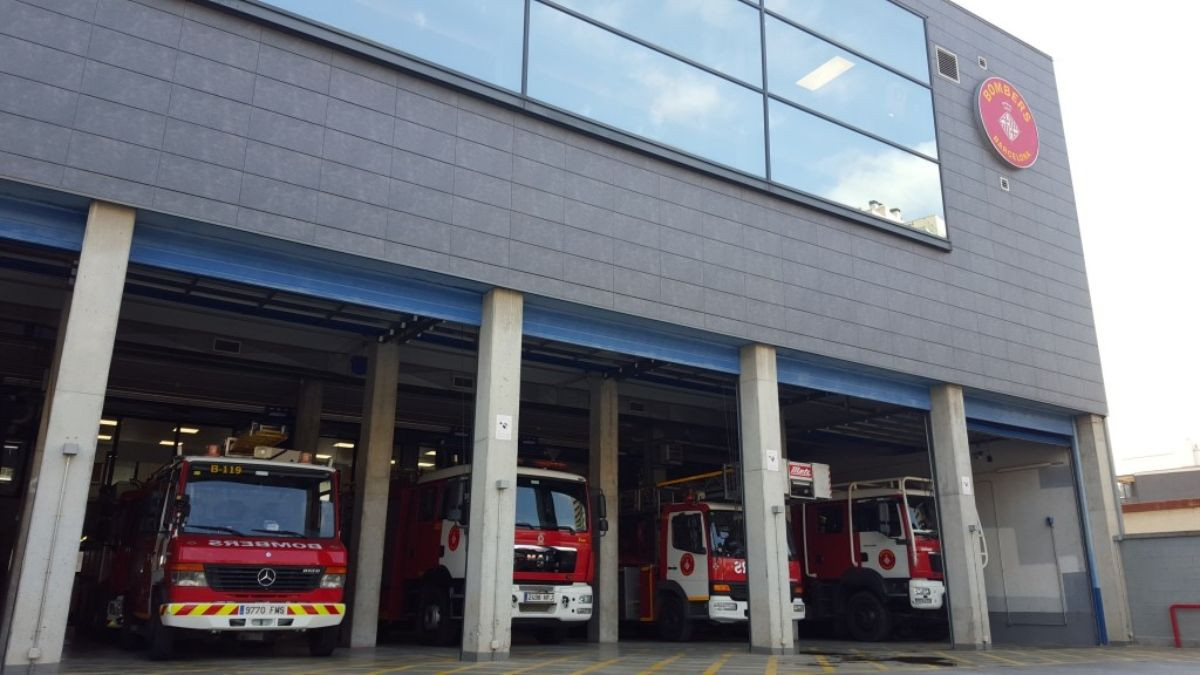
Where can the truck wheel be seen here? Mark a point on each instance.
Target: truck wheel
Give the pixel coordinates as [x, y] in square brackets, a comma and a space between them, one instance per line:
[322, 641]
[160, 639]
[551, 635]
[674, 625]
[867, 617]
[434, 625]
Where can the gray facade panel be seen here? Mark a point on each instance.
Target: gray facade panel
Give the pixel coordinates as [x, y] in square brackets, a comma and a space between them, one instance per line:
[343, 152]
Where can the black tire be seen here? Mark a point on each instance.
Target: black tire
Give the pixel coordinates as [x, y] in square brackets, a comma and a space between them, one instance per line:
[160, 639]
[674, 624]
[867, 618]
[434, 625]
[550, 635]
[322, 641]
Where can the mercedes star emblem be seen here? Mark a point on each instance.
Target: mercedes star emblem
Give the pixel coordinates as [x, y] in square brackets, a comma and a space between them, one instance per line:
[266, 577]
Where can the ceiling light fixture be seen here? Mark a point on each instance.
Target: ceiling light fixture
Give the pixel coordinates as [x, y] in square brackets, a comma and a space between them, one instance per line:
[186, 430]
[344, 445]
[426, 465]
[322, 456]
[104, 437]
[825, 73]
[108, 423]
[169, 443]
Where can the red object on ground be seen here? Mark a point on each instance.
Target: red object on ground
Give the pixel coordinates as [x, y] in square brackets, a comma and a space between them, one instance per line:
[1175, 621]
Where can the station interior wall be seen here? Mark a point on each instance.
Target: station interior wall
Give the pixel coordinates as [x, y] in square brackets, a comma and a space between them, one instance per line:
[1036, 578]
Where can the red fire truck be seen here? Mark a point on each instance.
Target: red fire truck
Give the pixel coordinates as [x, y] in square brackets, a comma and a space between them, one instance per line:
[222, 544]
[683, 556]
[553, 563]
[871, 554]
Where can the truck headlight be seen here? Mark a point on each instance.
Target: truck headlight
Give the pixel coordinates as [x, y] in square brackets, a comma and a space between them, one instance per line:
[334, 577]
[188, 577]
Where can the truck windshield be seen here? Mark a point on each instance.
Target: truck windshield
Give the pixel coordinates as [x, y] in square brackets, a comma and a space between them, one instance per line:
[728, 534]
[254, 501]
[921, 515]
[550, 504]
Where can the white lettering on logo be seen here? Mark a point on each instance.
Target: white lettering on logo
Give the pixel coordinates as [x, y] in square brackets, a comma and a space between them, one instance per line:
[240, 543]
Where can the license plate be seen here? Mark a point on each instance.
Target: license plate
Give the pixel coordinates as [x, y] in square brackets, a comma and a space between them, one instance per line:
[539, 597]
[262, 610]
[923, 601]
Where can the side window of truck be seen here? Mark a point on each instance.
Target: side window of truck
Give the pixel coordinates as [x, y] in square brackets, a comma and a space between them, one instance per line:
[454, 506]
[831, 519]
[427, 503]
[687, 532]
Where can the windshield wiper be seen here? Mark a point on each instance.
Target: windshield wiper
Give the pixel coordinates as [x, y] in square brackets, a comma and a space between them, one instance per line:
[218, 528]
[528, 526]
[287, 532]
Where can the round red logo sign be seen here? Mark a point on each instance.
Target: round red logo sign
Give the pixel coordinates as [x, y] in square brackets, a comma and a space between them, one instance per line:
[687, 564]
[1008, 122]
[887, 559]
[453, 538]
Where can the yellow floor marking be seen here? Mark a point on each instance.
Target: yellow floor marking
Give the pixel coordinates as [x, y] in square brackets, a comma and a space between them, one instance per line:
[598, 666]
[661, 664]
[869, 660]
[826, 667]
[716, 666]
[540, 664]
[1002, 659]
[772, 666]
[956, 658]
[410, 666]
[472, 666]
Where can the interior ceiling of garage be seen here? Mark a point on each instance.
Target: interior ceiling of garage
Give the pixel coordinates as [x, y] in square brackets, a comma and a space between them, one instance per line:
[165, 353]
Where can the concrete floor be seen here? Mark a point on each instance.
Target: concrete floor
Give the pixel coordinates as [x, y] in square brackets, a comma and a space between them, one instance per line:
[697, 658]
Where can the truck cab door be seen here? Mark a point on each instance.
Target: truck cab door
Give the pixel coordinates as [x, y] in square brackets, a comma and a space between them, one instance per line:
[453, 534]
[880, 532]
[687, 553]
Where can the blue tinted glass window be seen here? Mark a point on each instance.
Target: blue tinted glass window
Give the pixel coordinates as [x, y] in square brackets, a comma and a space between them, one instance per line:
[721, 34]
[878, 28]
[830, 161]
[480, 38]
[589, 71]
[848, 88]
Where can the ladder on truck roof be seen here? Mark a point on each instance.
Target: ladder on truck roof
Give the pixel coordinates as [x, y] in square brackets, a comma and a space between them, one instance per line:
[723, 484]
[901, 484]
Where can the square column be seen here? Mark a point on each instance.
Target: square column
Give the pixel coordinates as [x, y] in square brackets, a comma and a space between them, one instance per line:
[372, 478]
[961, 530]
[72, 418]
[763, 480]
[307, 431]
[1104, 526]
[487, 611]
[603, 476]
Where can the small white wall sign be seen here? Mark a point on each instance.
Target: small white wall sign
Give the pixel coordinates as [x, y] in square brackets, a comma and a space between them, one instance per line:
[504, 426]
[772, 460]
[967, 488]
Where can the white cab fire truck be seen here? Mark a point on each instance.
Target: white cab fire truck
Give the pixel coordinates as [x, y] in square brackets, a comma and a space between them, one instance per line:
[553, 563]
[683, 552]
[871, 554]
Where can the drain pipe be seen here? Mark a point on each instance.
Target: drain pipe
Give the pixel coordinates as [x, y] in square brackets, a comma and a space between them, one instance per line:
[69, 450]
[1093, 577]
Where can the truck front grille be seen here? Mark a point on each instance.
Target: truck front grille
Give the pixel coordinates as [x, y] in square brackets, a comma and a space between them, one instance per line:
[246, 578]
[544, 559]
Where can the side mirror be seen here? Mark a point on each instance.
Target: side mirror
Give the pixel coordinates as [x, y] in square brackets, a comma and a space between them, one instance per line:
[600, 505]
[183, 508]
[454, 514]
[602, 526]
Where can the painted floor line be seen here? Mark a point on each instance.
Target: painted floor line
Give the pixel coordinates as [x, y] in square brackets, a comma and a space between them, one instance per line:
[661, 664]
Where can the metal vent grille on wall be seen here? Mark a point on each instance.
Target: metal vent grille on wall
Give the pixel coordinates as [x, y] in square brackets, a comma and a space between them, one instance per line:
[947, 64]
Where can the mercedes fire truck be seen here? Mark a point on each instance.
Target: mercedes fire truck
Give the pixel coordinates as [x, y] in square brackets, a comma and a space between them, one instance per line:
[872, 555]
[242, 545]
[553, 562]
[683, 553]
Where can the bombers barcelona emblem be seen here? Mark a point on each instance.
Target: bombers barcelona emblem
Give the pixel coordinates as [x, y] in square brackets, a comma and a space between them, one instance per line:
[1007, 122]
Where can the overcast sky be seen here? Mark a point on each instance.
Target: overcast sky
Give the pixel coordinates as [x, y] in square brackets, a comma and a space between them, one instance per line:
[1132, 117]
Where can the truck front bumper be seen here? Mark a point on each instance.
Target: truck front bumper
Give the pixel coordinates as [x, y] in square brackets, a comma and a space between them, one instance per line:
[251, 616]
[926, 593]
[724, 609]
[552, 603]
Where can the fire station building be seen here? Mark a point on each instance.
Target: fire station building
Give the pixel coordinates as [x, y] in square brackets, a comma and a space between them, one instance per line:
[642, 240]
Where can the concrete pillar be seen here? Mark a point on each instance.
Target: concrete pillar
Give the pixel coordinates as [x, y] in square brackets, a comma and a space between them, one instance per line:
[307, 431]
[961, 530]
[487, 612]
[43, 590]
[1103, 523]
[763, 472]
[372, 478]
[603, 476]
